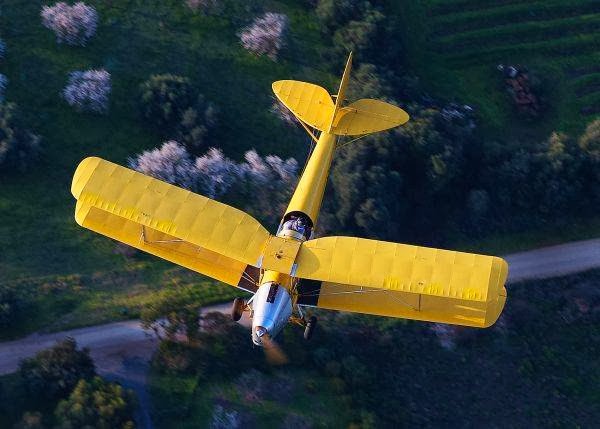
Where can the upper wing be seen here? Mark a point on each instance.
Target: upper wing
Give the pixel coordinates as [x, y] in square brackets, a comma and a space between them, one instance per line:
[167, 221]
[400, 280]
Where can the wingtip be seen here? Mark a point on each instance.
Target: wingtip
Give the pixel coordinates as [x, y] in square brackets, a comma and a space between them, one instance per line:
[82, 173]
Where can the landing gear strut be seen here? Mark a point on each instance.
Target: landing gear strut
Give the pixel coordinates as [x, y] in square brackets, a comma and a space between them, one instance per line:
[237, 309]
[310, 327]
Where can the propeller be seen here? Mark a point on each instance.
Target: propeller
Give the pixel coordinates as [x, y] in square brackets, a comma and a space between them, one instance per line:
[273, 352]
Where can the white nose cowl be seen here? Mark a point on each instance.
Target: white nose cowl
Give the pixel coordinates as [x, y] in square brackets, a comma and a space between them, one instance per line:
[272, 306]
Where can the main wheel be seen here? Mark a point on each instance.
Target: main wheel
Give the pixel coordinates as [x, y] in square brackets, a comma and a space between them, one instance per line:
[310, 327]
[237, 309]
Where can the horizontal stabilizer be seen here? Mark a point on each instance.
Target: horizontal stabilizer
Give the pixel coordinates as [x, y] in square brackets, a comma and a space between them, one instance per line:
[367, 116]
[310, 103]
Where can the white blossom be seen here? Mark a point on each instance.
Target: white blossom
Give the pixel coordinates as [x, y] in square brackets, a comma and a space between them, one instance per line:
[265, 36]
[73, 25]
[171, 163]
[216, 173]
[88, 90]
[283, 113]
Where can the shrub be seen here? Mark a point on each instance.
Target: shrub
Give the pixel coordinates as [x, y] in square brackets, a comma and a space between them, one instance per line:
[55, 371]
[73, 25]
[195, 124]
[265, 36]
[10, 307]
[3, 85]
[172, 105]
[164, 98]
[18, 146]
[88, 90]
[96, 403]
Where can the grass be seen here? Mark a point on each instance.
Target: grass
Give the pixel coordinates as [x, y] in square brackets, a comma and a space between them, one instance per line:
[454, 48]
[56, 303]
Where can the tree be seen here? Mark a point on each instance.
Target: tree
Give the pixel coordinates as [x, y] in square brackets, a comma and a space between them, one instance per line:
[333, 14]
[268, 178]
[173, 106]
[164, 98]
[73, 25]
[98, 404]
[361, 36]
[266, 35]
[3, 85]
[18, 146]
[53, 372]
[216, 173]
[589, 142]
[389, 184]
[2, 49]
[171, 163]
[88, 90]
[251, 182]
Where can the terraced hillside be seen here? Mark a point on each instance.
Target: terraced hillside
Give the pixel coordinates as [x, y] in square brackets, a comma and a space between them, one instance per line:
[464, 41]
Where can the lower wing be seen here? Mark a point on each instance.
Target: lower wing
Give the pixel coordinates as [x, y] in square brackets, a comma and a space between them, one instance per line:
[397, 280]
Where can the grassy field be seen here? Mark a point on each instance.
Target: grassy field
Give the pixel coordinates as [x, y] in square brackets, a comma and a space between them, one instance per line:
[455, 46]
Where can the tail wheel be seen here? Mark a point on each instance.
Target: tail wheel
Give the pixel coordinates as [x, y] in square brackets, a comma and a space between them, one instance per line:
[310, 327]
[237, 309]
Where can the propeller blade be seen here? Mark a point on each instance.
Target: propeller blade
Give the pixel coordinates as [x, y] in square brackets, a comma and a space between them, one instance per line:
[273, 352]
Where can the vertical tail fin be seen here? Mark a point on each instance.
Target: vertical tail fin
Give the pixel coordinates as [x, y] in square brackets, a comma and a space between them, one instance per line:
[313, 105]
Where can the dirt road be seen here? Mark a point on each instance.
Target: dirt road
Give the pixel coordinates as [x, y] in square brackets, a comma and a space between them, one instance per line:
[122, 350]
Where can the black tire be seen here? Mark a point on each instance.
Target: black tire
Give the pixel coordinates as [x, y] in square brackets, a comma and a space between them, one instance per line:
[237, 309]
[310, 328]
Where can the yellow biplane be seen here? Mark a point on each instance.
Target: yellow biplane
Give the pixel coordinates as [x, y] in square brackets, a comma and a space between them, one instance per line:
[290, 270]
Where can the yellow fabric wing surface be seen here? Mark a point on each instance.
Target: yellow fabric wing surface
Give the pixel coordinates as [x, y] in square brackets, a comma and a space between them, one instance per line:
[311, 103]
[173, 223]
[368, 116]
[377, 277]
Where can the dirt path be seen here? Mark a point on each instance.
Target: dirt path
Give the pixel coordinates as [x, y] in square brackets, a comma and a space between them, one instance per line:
[122, 350]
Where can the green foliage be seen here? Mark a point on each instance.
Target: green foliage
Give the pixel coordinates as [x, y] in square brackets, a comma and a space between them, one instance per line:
[11, 307]
[19, 147]
[53, 372]
[173, 106]
[96, 403]
[388, 184]
[164, 98]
